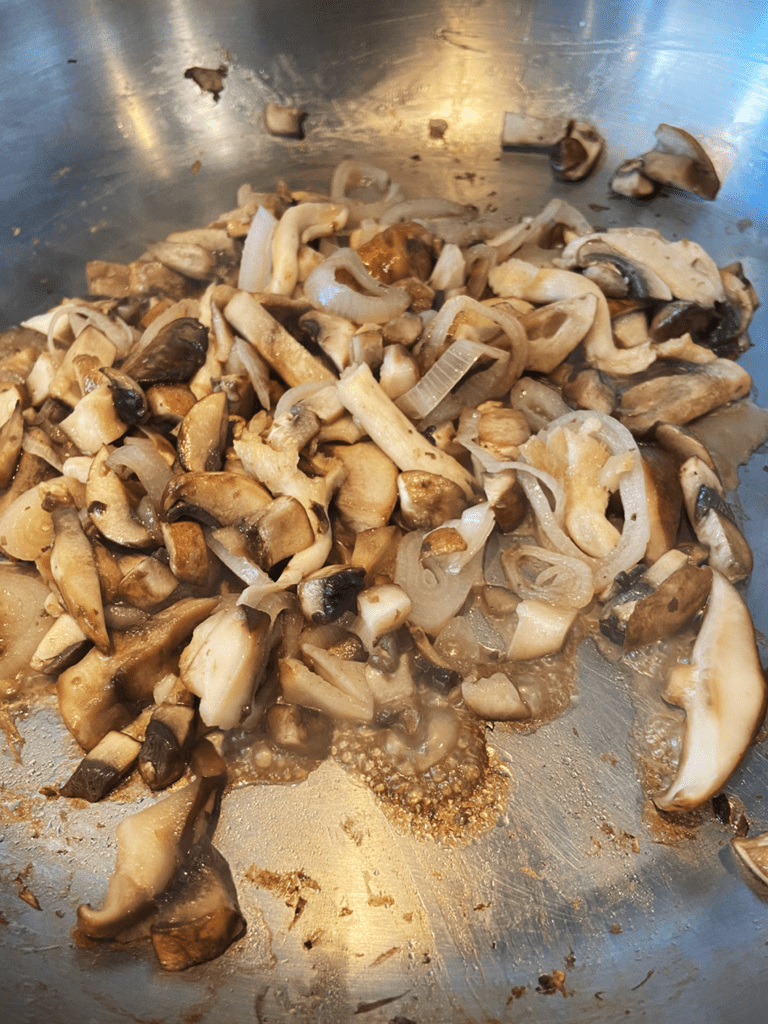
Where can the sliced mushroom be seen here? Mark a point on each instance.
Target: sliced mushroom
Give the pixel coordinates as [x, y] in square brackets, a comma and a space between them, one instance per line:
[63, 645]
[679, 160]
[215, 499]
[327, 594]
[202, 435]
[110, 508]
[73, 566]
[494, 697]
[428, 500]
[11, 433]
[333, 334]
[381, 609]
[345, 698]
[173, 355]
[753, 853]
[199, 917]
[167, 743]
[224, 662]
[285, 355]
[629, 180]
[555, 329]
[187, 552]
[575, 155]
[713, 522]
[285, 121]
[152, 845]
[103, 767]
[92, 692]
[723, 692]
[682, 396]
[367, 496]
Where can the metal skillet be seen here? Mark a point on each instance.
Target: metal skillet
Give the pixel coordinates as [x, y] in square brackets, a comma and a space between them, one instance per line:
[102, 140]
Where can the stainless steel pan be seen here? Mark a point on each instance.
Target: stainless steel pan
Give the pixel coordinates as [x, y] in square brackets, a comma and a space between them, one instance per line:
[106, 146]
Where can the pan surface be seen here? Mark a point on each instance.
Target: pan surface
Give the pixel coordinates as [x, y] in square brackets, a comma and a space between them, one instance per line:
[107, 146]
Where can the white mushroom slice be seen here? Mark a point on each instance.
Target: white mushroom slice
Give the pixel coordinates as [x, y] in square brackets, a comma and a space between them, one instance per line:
[518, 279]
[73, 567]
[367, 496]
[94, 421]
[151, 846]
[62, 644]
[187, 258]
[686, 269]
[541, 629]
[273, 343]
[26, 528]
[148, 584]
[332, 333]
[450, 270]
[753, 853]
[381, 609]
[302, 686]
[494, 697]
[575, 154]
[223, 663]
[723, 693]
[679, 160]
[393, 432]
[301, 223]
[712, 521]
[109, 507]
[554, 330]
[202, 435]
[90, 342]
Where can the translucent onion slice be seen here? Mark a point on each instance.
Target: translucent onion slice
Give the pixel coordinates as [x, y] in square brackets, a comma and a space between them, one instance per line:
[256, 263]
[381, 303]
[142, 458]
[538, 574]
[454, 364]
[351, 174]
[631, 545]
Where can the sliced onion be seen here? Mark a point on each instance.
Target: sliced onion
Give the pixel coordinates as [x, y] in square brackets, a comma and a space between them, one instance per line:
[351, 174]
[631, 545]
[452, 365]
[256, 263]
[562, 581]
[424, 209]
[238, 564]
[436, 595]
[382, 303]
[141, 457]
[244, 356]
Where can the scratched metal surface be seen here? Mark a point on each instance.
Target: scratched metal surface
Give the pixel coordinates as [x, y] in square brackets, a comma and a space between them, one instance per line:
[101, 131]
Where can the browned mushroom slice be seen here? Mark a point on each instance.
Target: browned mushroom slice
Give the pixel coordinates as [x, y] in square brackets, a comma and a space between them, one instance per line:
[753, 853]
[224, 662]
[664, 498]
[295, 364]
[215, 499]
[591, 389]
[173, 356]
[199, 917]
[507, 499]
[401, 250]
[73, 566]
[11, 433]
[147, 585]
[203, 434]
[428, 500]
[128, 398]
[90, 342]
[679, 160]
[328, 593]
[63, 645]
[103, 767]
[713, 521]
[286, 121]
[629, 180]
[91, 693]
[575, 155]
[167, 743]
[278, 531]
[110, 508]
[152, 845]
[187, 552]
[108, 279]
[170, 402]
[684, 396]
[672, 606]
[723, 692]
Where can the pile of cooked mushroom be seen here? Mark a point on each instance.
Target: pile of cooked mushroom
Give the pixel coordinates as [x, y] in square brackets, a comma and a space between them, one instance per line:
[347, 477]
